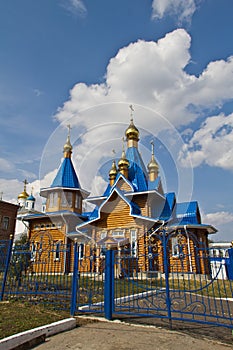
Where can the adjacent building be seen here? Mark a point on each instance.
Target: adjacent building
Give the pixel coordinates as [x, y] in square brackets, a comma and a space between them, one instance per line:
[8, 213]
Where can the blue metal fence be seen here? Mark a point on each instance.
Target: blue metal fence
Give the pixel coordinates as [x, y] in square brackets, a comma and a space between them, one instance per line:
[165, 283]
[37, 279]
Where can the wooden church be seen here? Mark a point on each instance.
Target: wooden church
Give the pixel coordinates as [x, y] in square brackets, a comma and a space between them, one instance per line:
[130, 217]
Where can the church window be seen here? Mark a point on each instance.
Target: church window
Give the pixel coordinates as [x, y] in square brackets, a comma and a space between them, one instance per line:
[103, 234]
[118, 233]
[175, 246]
[77, 201]
[33, 251]
[5, 222]
[53, 197]
[81, 251]
[66, 199]
[133, 242]
[57, 251]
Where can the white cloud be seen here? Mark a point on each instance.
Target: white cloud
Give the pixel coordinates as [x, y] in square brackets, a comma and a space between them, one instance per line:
[218, 218]
[211, 144]
[9, 168]
[183, 10]
[76, 7]
[6, 165]
[152, 74]
[12, 188]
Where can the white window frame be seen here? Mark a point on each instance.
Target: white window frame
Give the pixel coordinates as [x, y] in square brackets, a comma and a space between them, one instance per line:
[33, 251]
[66, 199]
[81, 250]
[133, 242]
[5, 222]
[118, 233]
[78, 201]
[175, 247]
[57, 251]
[103, 234]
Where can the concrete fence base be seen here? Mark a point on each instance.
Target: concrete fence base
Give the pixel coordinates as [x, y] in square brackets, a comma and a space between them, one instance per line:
[25, 340]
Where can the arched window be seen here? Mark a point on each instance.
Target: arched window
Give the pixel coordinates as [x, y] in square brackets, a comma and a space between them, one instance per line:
[81, 251]
[133, 242]
[57, 251]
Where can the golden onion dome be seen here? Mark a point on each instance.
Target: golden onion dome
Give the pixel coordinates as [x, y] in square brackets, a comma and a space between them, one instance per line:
[132, 132]
[67, 146]
[153, 165]
[113, 170]
[23, 195]
[123, 162]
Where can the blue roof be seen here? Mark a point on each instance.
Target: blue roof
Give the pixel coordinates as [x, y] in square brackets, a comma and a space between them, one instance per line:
[188, 213]
[108, 190]
[137, 170]
[168, 206]
[154, 185]
[66, 175]
[95, 214]
[31, 198]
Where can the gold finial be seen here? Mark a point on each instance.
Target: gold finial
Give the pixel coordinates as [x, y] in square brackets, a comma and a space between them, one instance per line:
[69, 128]
[131, 111]
[132, 132]
[123, 145]
[123, 162]
[24, 194]
[153, 167]
[113, 171]
[67, 147]
[152, 147]
[25, 184]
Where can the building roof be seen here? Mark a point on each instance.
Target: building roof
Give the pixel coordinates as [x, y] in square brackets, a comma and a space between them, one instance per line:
[188, 213]
[66, 175]
[137, 171]
[40, 215]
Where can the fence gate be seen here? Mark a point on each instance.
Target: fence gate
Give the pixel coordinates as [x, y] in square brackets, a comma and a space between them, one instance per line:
[88, 281]
[172, 278]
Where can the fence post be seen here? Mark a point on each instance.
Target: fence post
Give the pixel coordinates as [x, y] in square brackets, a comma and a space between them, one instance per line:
[166, 271]
[74, 280]
[109, 284]
[8, 258]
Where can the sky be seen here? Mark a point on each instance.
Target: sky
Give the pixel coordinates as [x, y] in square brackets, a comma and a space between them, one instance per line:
[85, 62]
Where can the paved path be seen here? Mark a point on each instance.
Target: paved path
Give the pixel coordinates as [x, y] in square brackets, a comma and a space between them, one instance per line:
[120, 336]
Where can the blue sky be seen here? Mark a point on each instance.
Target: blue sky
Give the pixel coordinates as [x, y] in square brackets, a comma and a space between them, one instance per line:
[84, 62]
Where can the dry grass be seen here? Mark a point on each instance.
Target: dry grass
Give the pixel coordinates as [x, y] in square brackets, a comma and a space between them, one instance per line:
[17, 317]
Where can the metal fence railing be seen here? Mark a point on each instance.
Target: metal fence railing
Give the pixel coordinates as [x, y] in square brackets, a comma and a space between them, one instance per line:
[152, 283]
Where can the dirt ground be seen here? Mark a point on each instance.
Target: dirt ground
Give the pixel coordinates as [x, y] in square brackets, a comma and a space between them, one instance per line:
[117, 335]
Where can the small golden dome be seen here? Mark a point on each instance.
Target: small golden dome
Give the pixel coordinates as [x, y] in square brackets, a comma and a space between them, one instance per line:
[123, 162]
[113, 170]
[153, 165]
[132, 132]
[23, 195]
[67, 146]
